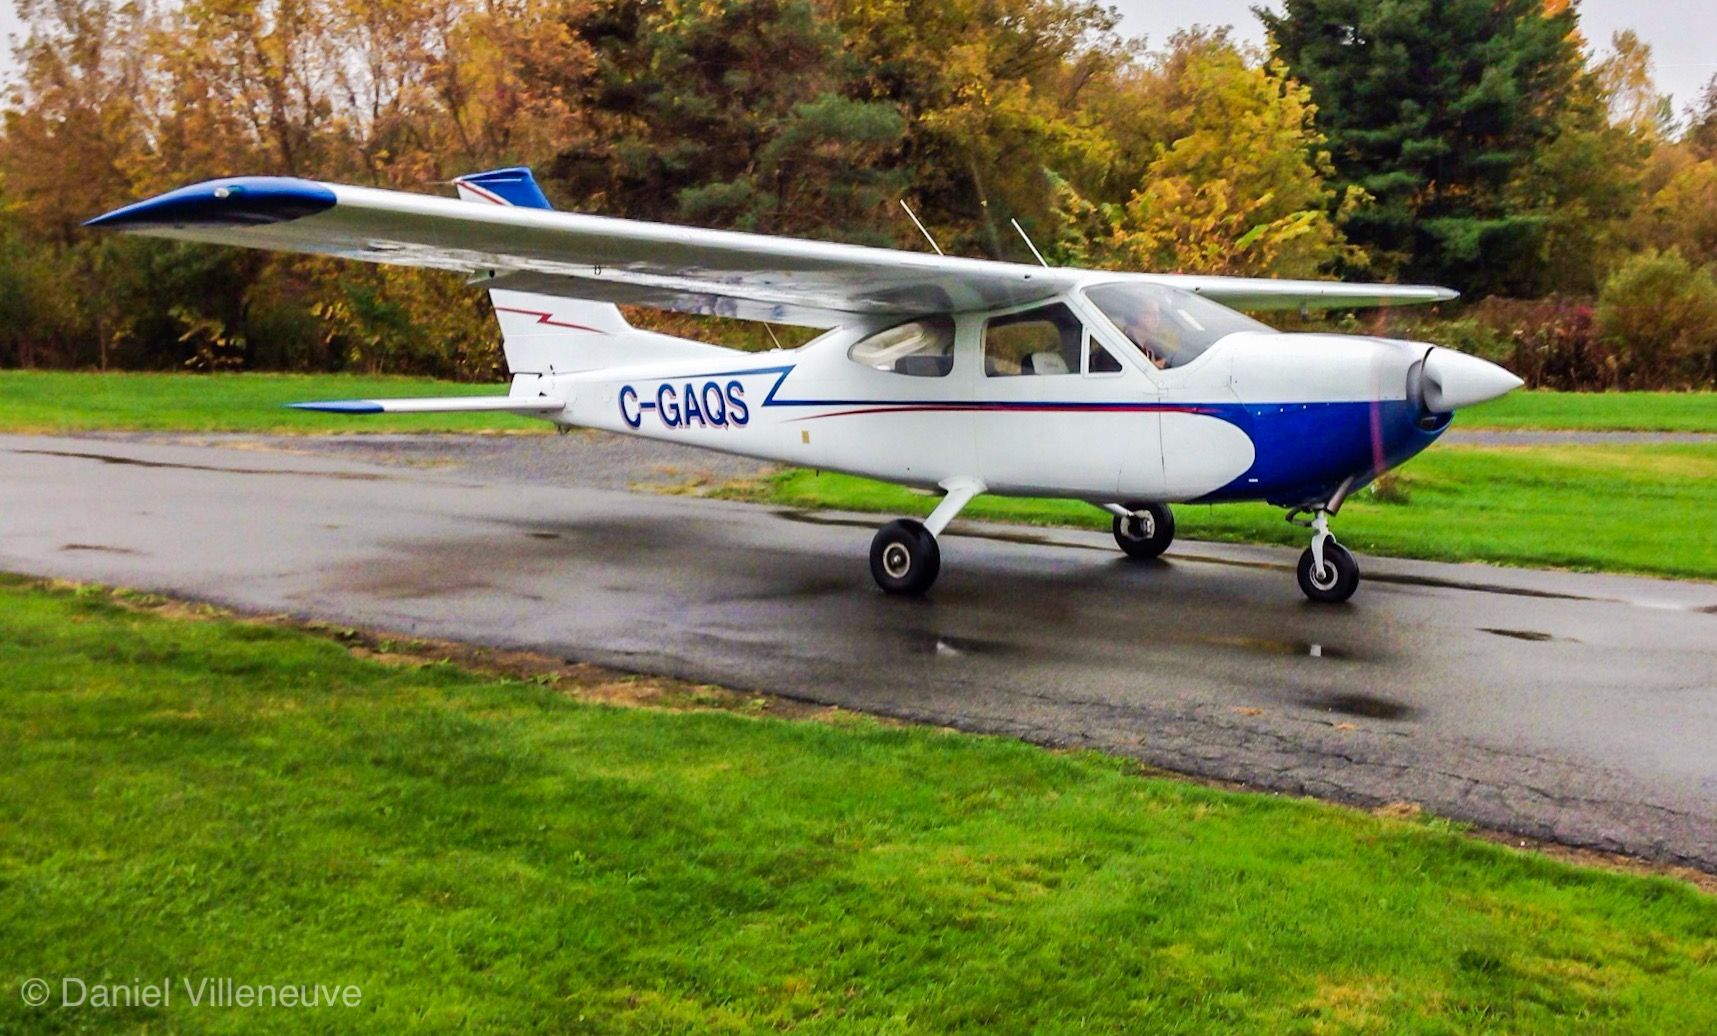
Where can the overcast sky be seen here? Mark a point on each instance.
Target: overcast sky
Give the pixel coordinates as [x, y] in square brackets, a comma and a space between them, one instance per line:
[1680, 31]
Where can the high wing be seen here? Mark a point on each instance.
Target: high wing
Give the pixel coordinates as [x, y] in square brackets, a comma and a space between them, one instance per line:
[658, 265]
[1267, 293]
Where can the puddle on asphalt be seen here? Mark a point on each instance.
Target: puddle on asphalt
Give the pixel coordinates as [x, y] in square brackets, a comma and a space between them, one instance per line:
[1270, 646]
[810, 588]
[1365, 706]
[1529, 635]
[955, 647]
[959, 647]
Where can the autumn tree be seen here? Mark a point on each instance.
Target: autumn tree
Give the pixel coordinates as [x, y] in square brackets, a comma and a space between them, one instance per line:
[1586, 180]
[1625, 78]
[78, 113]
[995, 94]
[1238, 183]
[1682, 214]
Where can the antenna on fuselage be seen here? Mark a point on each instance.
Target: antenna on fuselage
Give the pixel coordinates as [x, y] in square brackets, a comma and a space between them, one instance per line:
[913, 216]
[1023, 236]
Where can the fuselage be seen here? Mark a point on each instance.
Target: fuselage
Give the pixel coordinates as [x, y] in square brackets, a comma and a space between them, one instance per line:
[1256, 415]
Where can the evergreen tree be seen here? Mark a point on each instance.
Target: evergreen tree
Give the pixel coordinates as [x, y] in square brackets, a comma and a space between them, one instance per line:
[734, 114]
[1702, 122]
[1431, 107]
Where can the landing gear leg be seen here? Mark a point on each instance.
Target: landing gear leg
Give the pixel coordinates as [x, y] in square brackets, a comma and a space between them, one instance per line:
[904, 557]
[1327, 573]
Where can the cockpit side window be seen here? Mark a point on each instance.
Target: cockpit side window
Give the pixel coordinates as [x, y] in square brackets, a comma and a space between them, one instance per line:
[1100, 360]
[1171, 327]
[920, 348]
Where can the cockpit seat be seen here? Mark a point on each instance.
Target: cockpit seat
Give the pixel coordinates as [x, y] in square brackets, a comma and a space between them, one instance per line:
[1044, 363]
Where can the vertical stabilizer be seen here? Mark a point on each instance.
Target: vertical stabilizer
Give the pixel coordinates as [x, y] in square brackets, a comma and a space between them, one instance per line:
[541, 334]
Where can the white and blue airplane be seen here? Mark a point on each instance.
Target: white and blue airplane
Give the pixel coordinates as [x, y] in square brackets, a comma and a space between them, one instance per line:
[1130, 391]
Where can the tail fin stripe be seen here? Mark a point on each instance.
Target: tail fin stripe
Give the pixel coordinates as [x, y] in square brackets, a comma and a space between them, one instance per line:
[548, 318]
[486, 195]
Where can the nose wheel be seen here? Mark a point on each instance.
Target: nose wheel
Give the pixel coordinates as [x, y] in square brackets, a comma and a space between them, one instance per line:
[1327, 572]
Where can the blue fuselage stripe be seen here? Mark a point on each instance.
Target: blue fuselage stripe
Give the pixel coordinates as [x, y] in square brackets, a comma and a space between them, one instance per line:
[1302, 451]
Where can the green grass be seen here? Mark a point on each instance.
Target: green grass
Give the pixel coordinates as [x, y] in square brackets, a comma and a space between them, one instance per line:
[1598, 412]
[208, 798]
[1639, 509]
[63, 402]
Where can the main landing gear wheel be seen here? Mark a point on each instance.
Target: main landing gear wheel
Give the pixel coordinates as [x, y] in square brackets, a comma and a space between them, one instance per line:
[1146, 532]
[904, 558]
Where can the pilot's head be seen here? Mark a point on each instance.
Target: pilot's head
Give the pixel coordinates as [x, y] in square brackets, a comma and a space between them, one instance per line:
[1145, 327]
[1147, 315]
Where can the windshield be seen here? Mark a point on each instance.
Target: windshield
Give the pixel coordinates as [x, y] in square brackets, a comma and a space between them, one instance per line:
[1172, 328]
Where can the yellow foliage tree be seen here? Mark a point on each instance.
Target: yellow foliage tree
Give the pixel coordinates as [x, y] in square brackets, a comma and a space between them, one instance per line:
[1240, 185]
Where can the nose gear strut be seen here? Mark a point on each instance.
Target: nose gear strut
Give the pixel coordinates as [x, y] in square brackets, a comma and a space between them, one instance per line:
[1327, 572]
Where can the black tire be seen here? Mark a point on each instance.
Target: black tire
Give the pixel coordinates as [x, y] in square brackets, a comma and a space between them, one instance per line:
[1337, 582]
[1147, 537]
[904, 558]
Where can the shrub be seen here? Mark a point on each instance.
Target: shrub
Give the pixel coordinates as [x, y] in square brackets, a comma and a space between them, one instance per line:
[1466, 333]
[1658, 313]
[1551, 342]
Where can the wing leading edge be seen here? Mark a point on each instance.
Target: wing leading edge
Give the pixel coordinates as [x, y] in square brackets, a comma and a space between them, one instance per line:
[658, 265]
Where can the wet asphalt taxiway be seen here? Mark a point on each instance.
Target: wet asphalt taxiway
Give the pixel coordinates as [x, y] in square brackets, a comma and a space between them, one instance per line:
[1580, 709]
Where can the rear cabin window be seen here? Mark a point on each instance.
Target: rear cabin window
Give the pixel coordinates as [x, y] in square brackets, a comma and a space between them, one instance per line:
[920, 349]
[1046, 340]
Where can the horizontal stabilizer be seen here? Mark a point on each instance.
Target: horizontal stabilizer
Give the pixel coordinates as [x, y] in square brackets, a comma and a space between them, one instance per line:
[438, 405]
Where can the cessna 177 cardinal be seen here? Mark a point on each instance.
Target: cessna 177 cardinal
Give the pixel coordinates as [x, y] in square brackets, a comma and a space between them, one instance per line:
[1130, 391]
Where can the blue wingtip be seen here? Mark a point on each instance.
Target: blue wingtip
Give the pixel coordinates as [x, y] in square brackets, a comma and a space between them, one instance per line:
[241, 201]
[341, 406]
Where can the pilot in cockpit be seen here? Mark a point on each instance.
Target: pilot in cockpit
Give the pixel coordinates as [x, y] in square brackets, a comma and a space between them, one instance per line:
[1148, 330]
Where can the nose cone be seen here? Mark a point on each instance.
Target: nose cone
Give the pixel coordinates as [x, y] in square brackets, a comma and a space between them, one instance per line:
[1453, 380]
